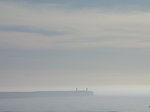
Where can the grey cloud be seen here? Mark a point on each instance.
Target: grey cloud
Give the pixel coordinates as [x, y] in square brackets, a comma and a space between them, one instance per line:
[124, 5]
[26, 29]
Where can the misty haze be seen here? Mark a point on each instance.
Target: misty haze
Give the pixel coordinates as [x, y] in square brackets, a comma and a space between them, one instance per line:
[74, 55]
[70, 101]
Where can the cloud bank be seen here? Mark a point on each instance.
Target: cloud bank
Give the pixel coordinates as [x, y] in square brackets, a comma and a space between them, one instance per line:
[45, 26]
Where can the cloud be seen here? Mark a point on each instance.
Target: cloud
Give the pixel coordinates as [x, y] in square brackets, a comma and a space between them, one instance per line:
[26, 29]
[45, 26]
[125, 5]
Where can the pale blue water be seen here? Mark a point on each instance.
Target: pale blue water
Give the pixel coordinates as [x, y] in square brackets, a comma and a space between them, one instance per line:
[76, 104]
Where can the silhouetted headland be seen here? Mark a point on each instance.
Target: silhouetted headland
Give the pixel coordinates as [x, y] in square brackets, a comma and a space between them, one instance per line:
[46, 94]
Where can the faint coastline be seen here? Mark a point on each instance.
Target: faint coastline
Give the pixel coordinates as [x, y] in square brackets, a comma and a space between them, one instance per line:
[46, 94]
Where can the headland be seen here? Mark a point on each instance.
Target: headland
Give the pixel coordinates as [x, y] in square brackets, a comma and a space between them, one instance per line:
[47, 94]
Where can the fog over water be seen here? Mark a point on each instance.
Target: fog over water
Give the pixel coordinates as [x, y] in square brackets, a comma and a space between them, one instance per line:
[103, 45]
[76, 104]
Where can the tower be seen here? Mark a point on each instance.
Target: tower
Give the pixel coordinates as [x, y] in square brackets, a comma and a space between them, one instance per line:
[76, 89]
[86, 89]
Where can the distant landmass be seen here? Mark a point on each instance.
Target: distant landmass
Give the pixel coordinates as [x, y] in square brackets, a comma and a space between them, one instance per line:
[46, 94]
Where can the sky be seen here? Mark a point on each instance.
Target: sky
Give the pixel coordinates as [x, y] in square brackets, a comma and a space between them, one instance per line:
[63, 44]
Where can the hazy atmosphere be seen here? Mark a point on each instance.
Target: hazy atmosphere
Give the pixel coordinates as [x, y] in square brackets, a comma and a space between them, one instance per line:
[63, 44]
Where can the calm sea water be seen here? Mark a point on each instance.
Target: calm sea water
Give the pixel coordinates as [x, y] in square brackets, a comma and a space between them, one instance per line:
[76, 104]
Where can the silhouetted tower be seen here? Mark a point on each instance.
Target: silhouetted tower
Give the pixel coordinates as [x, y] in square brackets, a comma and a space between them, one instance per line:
[76, 89]
[86, 89]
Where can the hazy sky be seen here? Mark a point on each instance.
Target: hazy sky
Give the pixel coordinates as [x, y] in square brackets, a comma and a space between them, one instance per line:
[57, 44]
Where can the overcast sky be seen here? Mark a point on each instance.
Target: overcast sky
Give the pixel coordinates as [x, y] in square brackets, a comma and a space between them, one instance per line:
[61, 44]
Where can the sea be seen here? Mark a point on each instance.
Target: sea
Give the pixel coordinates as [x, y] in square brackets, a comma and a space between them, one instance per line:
[96, 103]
